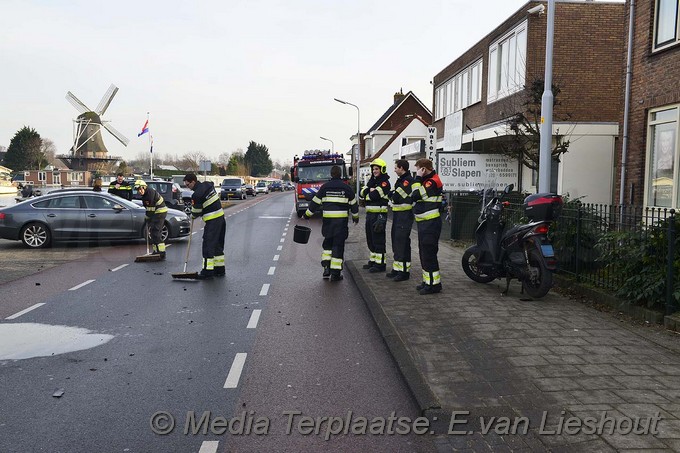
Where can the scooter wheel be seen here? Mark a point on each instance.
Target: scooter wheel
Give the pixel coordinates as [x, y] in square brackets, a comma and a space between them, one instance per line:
[470, 267]
[540, 281]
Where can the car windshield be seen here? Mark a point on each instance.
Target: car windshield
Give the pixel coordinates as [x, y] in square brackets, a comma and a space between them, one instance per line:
[231, 182]
[261, 184]
[315, 173]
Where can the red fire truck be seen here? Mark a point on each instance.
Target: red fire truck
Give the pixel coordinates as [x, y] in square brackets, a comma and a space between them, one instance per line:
[310, 172]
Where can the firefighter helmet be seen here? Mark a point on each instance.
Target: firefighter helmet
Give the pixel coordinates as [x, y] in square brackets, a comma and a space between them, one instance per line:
[380, 163]
[139, 183]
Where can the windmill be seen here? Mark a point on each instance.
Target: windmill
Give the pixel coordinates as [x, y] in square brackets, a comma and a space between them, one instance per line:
[88, 151]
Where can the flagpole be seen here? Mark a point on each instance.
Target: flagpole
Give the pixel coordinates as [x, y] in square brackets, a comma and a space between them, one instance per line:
[150, 149]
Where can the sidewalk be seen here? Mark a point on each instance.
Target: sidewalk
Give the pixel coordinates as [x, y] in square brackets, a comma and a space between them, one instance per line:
[519, 360]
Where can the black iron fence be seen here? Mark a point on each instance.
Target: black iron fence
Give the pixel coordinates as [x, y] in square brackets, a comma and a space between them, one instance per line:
[631, 251]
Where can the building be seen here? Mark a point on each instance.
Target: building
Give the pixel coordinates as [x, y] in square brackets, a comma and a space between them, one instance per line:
[649, 155]
[478, 94]
[57, 178]
[399, 133]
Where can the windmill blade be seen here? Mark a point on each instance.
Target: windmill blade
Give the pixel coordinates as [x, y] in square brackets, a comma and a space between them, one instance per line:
[121, 138]
[106, 99]
[82, 108]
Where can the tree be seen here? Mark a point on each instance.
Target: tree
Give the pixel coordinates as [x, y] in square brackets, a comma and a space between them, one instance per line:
[49, 151]
[523, 136]
[237, 164]
[25, 150]
[192, 160]
[258, 160]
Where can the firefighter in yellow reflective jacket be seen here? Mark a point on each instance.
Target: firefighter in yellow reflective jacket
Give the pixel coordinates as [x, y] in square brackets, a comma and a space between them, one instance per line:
[155, 215]
[205, 203]
[376, 193]
[426, 192]
[402, 222]
[336, 199]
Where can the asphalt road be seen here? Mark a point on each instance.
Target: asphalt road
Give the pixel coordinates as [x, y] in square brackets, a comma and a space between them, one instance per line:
[270, 338]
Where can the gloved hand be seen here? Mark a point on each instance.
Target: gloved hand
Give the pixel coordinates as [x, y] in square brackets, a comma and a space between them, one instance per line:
[355, 220]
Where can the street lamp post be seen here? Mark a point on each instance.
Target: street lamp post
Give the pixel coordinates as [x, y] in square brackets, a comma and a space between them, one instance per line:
[358, 152]
[545, 155]
[332, 144]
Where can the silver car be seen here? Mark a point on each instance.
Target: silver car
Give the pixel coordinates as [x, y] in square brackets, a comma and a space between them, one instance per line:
[81, 215]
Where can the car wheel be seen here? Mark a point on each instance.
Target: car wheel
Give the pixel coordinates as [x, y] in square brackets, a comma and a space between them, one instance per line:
[165, 232]
[243, 196]
[187, 207]
[36, 236]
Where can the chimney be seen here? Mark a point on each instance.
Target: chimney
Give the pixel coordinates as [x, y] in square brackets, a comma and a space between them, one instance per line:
[399, 96]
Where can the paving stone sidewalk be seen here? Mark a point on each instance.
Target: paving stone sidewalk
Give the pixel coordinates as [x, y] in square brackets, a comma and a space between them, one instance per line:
[556, 374]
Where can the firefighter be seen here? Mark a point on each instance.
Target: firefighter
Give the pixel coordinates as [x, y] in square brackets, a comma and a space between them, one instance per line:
[205, 203]
[402, 221]
[121, 187]
[427, 196]
[376, 193]
[335, 198]
[155, 215]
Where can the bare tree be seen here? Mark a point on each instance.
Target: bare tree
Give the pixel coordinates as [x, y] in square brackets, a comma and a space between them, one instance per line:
[192, 160]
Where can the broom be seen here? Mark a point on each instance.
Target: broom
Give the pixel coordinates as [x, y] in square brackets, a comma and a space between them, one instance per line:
[184, 274]
[148, 257]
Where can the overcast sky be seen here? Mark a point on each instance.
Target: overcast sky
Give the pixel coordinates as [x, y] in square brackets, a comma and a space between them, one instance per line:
[216, 74]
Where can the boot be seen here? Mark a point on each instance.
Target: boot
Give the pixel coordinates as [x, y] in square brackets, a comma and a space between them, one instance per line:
[392, 274]
[205, 274]
[401, 276]
[421, 286]
[367, 266]
[430, 289]
[336, 277]
[220, 271]
[377, 268]
[326, 272]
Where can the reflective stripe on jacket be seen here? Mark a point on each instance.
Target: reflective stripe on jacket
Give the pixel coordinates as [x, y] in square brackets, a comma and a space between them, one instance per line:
[335, 199]
[427, 195]
[153, 202]
[401, 196]
[205, 202]
[377, 200]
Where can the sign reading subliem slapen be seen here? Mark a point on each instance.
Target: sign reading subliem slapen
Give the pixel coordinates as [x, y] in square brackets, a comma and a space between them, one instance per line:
[469, 171]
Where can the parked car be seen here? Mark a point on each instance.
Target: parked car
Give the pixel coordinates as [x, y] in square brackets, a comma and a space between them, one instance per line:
[288, 185]
[261, 187]
[76, 215]
[250, 190]
[276, 186]
[170, 191]
[232, 188]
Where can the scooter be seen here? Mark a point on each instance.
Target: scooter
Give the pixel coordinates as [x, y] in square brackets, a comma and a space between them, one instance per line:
[523, 251]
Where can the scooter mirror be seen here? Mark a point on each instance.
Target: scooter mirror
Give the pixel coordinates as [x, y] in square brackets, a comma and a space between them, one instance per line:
[508, 188]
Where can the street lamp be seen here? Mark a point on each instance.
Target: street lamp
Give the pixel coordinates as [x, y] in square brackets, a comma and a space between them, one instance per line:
[545, 155]
[332, 144]
[358, 152]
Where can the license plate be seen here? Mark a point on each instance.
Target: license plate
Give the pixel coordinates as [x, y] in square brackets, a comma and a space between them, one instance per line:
[304, 204]
[547, 250]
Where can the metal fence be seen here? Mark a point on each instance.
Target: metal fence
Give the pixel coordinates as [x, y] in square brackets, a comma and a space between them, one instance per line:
[592, 242]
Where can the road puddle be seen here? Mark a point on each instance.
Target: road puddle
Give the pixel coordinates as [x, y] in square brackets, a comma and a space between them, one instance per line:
[28, 340]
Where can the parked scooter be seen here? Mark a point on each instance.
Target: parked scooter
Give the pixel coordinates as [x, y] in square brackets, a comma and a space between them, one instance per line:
[523, 252]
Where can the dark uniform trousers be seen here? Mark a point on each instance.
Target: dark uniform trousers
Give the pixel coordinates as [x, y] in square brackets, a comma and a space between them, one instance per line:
[155, 224]
[402, 222]
[213, 243]
[335, 233]
[376, 241]
[428, 245]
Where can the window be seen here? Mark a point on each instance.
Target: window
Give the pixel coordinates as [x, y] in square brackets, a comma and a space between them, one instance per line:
[56, 178]
[66, 202]
[666, 23]
[662, 158]
[460, 91]
[95, 202]
[507, 64]
[74, 176]
[42, 176]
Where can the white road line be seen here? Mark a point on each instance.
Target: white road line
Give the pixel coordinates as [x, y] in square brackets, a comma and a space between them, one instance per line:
[280, 247]
[118, 268]
[271, 271]
[276, 257]
[209, 446]
[81, 285]
[254, 318]
[284, 234]
[23, 312]
[285, 229]
[283, 240]
[235, 371]
[194, 232]
[265, 289]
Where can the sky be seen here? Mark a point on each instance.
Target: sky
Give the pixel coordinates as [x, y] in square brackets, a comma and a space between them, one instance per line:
[214, 75]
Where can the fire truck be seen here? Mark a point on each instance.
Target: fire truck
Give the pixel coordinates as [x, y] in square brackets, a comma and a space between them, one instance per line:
[310, 172]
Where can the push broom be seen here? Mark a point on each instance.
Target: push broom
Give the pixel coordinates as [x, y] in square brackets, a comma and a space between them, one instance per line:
[148, 257]
[184, 274]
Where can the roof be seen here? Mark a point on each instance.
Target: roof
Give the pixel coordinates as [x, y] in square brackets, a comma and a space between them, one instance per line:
[395, 136]
[385, 116]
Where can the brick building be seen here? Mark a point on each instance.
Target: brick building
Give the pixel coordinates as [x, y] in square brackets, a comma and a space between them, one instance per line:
[652, 147]
[478, 93]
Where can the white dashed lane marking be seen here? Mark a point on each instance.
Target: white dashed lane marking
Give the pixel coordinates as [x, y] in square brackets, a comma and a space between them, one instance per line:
[23, 312]
[264, 290]
[81, 285]
[254, 318]
[209, 446]
[280, 247]
[276, 257]
[235, 371]
[271, 271]
[118, 268]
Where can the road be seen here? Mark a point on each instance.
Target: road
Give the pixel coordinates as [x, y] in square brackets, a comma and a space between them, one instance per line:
[270, 340]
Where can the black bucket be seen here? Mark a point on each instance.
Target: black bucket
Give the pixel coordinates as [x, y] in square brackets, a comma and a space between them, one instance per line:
[301, 234]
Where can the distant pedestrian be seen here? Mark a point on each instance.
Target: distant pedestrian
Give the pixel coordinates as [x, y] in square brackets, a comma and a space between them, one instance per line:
[335, 199]
[427, 196]
[97, 186]
[402, 222]
[205, 203]
[376, 193]
[121, 187]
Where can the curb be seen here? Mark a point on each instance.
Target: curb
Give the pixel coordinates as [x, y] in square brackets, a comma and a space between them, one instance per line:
[425, 398]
